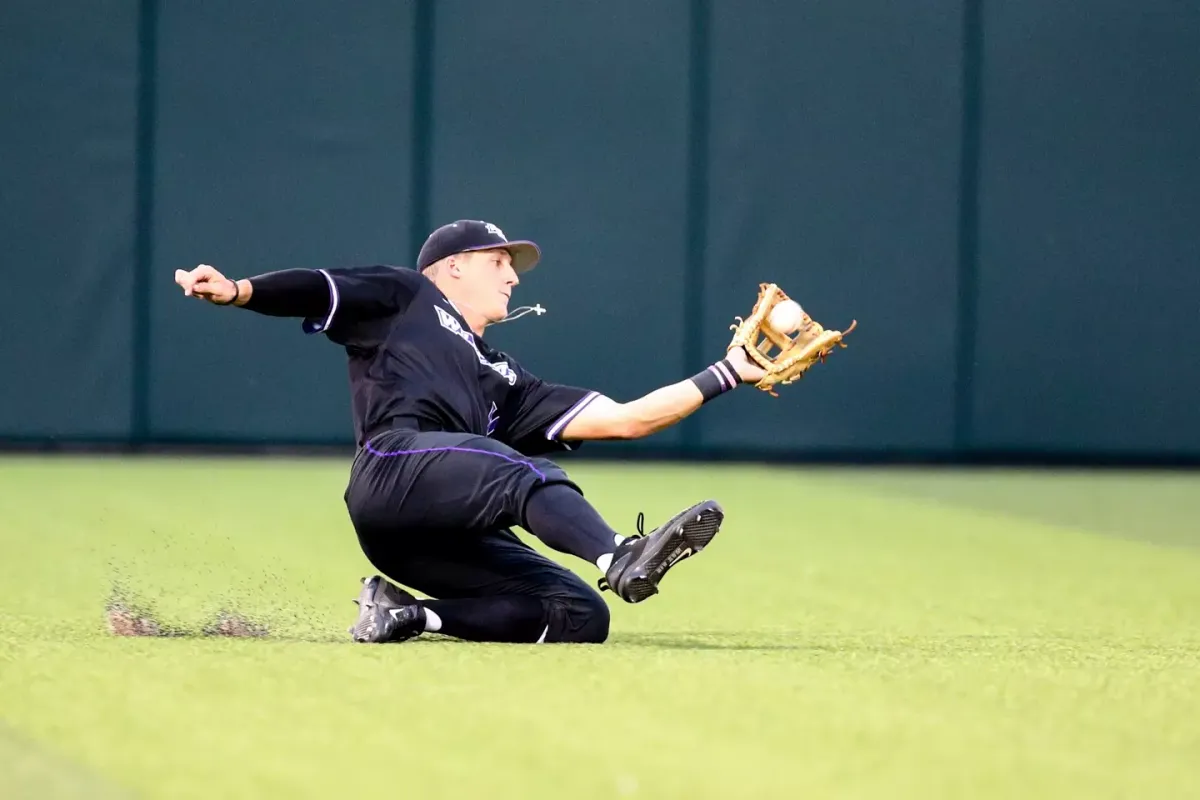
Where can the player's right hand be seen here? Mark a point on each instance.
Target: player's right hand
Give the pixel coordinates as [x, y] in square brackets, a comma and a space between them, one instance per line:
[206, 283]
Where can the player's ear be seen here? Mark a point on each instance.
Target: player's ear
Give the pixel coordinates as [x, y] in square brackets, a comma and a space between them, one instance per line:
[452, 266]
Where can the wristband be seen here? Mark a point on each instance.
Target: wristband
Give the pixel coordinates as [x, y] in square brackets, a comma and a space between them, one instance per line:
[237, 292]
[721, 377]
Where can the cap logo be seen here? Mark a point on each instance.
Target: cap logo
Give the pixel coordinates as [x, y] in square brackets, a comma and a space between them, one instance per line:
[494, 231]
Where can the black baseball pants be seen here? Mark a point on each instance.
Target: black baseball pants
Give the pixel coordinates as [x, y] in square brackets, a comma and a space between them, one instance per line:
[434, 512]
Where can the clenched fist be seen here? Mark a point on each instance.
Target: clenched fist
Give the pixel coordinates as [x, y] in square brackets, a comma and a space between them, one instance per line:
[206, 283]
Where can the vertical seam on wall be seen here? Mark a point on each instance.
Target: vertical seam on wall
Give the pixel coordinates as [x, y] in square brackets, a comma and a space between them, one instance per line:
[968, 223]
[147, 113]
[422, 121]
[699, 57]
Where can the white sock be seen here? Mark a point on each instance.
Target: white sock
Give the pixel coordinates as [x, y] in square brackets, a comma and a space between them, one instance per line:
[433, 622]
[605, 561]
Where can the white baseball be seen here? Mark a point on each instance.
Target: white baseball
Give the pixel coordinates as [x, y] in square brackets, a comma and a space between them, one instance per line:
[786, 317]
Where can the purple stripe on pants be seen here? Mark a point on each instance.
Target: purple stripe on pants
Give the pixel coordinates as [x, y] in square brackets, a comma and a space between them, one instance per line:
[389, 454]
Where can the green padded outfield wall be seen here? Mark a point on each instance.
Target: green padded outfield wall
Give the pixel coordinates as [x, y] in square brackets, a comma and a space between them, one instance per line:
[575, 132]
[1005, 195]
[834, 173]
[1089, 227]
[282, 141]
[68, 153]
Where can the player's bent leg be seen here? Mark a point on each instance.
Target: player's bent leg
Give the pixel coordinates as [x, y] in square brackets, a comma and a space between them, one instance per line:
[577, 614]
[458, 482]
[389, 614]
[512, 618]
[562, 616]
[440, 497]
[559, 516]
[633, 566]
[490, 588]
[444, 482]
[572, 610]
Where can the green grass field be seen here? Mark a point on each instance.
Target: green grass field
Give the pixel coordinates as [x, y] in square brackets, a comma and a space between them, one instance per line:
[851, 633]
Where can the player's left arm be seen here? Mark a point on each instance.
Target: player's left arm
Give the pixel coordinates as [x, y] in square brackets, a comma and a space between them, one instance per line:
[604, 418]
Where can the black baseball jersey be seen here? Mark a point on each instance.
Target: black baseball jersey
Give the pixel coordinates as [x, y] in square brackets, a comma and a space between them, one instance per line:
[414, 362]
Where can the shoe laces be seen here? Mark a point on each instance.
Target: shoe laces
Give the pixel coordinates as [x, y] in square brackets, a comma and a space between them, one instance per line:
[641, 527]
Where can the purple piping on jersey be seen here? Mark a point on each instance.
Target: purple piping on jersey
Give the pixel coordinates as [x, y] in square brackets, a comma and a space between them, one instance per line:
[371, 449]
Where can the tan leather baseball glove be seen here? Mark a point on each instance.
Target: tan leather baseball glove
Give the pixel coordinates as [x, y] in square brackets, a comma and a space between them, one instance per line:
[788, 354]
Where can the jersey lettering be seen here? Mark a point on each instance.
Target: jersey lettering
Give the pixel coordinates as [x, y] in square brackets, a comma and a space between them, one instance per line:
[452, 325]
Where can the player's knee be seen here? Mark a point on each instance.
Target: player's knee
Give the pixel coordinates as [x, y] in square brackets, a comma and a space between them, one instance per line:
[595, 629]
[586, 618]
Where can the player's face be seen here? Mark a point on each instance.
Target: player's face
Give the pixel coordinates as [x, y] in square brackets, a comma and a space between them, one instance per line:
[488, 278]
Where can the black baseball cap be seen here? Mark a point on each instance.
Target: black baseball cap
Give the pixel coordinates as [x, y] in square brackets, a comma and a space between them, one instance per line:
[467, 235]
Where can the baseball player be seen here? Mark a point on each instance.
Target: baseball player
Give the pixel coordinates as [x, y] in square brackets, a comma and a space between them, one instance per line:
[452, 437]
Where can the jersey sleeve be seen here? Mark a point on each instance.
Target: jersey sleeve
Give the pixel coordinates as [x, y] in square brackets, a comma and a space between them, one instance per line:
[538, 412]
[360, 296]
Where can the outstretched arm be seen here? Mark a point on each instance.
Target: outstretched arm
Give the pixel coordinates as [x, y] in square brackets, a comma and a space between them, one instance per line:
[287, 293]
[325, 298]
[604, 418]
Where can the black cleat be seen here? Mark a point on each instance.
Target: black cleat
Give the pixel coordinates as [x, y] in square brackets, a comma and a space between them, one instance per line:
[386, 613]
[641, 561]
